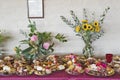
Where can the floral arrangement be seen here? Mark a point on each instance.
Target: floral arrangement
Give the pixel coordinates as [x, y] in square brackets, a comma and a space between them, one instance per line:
[89, 29]
[39, 43]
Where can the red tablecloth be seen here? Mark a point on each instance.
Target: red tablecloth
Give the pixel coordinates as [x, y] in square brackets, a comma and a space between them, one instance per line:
[60, 75]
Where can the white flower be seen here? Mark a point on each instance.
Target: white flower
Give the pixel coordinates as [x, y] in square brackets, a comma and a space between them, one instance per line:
[61, 67]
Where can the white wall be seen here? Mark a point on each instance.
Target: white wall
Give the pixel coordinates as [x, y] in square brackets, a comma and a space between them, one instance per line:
[13, 17]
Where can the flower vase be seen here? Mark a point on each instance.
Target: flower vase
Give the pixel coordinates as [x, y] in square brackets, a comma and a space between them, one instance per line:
[88, 49]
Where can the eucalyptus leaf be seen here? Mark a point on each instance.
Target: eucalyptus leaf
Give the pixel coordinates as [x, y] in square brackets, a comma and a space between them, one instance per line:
[67, 21]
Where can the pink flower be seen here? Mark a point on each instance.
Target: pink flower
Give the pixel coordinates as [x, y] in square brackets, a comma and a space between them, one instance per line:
[34, 38]
[46, 45]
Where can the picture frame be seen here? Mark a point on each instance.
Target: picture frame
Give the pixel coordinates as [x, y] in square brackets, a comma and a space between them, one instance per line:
[35, 8]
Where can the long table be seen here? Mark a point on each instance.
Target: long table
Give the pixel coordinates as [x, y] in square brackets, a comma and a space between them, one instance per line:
[60, 75]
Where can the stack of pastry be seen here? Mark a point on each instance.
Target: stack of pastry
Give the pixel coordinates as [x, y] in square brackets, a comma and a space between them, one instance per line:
[56, 62]
[73, 67]
[116, 63]
[41, 67]
[99, 68]
[6, 66]
[22, 67]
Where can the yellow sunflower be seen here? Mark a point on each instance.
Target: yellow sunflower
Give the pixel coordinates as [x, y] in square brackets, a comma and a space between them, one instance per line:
[90, 27]
[77, 28]
[97, 29]
[92, 30]
[85, 27]
[84, 21]
[96, 23]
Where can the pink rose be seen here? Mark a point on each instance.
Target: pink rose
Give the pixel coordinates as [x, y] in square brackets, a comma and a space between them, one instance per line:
[46, 45]
[34, 38]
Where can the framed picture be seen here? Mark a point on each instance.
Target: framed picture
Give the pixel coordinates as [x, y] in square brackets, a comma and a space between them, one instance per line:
[35, 8]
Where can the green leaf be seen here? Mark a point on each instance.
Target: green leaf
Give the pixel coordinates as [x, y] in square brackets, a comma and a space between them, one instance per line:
[78, 35]
[32, 26]
[67, 21]
[18, 51]
[45, 36]
[27, 50]
[61, 38]
[28, 56]
[24, 42]
[85, 14]
[51, 45]
[103, 15]
[24, 33]
[44, 51]
[77, 21]
[52, 49]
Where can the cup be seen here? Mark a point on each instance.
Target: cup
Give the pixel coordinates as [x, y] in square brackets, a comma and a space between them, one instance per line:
[109, 57]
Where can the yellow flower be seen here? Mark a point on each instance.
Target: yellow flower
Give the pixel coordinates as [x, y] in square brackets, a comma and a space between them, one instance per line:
[84, 21]
[96, 23]
[97, 29]
[77, 28]
[85, 27]
[90, 27]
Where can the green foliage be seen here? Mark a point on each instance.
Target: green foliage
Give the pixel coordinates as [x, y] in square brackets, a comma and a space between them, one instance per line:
[3, 38]
[18, 51]
[61, 38]
[67, 21]
[39, 43]
[102, 17]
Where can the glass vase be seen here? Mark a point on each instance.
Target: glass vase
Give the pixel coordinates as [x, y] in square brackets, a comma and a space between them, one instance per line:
[88, 49]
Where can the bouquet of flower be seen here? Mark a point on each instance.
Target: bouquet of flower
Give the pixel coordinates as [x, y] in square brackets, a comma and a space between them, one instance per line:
[39, 43]
[88, 29]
